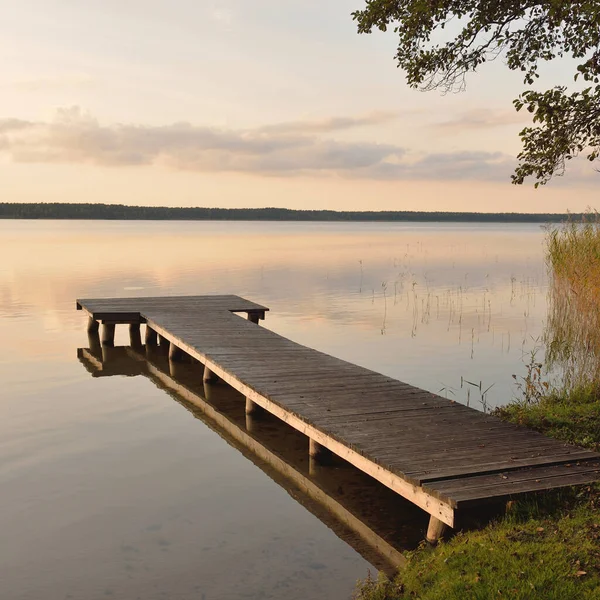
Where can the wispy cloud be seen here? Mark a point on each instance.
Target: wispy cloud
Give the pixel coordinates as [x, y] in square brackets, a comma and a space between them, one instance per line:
[332, 123]
[477, 119]
[450, 166]
[12, 125]
[283, 150]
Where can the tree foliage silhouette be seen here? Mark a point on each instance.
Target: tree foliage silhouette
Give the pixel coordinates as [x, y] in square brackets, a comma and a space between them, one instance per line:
[526, 34]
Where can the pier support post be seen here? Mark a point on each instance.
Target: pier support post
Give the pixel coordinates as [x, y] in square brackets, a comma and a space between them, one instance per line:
[151, 351]
[163, 342]
[435, 530]
[108, 354]
[209, 376]
[250, 423]
[315, 468]
[253, 318]
[135, 337]
[92, 325]
[108, 334]
[318, 453]
[175, 353]
[175, 368]
[318, 456]
[94, 343]
[151, 337]
[252, 408]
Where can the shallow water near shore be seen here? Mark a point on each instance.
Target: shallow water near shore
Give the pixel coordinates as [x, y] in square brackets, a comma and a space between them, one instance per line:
[112, 489]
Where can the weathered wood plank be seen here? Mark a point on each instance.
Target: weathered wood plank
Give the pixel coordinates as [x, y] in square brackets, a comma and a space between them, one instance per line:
[532, 485]
[472, 487]
[501, 466]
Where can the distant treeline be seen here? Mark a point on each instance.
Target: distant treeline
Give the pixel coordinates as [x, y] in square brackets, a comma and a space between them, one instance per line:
[61, 210]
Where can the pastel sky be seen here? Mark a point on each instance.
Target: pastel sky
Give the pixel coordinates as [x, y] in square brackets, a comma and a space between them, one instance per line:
[240, 103]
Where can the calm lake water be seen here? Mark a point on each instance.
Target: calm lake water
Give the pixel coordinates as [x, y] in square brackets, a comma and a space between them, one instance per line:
[111, 489]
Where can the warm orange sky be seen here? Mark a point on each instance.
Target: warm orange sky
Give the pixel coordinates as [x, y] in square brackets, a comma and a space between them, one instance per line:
[230, 103]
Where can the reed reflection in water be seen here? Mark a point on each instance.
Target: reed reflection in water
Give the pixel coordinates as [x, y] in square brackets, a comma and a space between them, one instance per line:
[572, 335]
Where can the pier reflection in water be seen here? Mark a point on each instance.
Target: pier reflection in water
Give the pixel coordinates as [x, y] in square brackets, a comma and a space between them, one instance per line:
[368, 516]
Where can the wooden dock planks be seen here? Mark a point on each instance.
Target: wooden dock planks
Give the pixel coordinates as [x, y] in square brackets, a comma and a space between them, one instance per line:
[437, 453]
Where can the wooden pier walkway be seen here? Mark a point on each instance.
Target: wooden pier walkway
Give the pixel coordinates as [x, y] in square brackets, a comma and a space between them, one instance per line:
[438, 454]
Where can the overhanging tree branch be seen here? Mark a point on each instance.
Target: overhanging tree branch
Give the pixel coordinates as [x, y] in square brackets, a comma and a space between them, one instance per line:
[527, 34]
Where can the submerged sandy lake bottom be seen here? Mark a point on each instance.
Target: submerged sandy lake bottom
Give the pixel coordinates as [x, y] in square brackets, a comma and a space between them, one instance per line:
[112, 489]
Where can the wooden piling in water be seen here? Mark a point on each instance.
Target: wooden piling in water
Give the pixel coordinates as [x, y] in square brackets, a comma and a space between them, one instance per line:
[318, 452]
[163, 342]
[94, 342]
[252, 408]
[151, 337]
[135, 336]
[175, 353]
[108, 334]
[250, 423]
[209, 376]
[93, 325]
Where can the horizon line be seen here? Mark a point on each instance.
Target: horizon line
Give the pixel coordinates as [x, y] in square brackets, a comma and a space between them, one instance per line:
[123, 212]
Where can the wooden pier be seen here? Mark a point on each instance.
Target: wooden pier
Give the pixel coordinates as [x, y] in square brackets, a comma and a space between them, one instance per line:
[438, 454]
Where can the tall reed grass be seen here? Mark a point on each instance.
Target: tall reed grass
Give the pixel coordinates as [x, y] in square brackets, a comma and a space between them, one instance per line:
[573, 328]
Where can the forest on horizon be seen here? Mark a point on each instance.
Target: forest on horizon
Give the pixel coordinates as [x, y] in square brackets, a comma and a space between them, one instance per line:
[157, 213]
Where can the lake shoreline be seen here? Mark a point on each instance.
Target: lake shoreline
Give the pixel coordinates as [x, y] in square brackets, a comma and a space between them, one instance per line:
[92, 211]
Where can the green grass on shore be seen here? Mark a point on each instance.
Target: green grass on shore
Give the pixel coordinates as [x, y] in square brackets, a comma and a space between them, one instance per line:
[547, 546]
[572, 417]
[536, 551]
